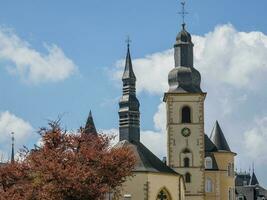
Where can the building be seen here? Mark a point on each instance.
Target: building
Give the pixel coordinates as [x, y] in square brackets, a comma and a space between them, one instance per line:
[207, 163]
[248, 187]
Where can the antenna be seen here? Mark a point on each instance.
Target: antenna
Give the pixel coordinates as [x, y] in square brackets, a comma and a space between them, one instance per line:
[183, 12]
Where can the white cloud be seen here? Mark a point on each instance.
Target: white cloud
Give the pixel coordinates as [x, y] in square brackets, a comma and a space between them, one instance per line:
[29, 64]
[223, 56]
[255, 141]
[11, 123]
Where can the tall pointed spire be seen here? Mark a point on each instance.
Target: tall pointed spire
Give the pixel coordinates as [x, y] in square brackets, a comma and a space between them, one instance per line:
[217, 137]
[12, 150]
[184, 78]
[128, 71]
[90, 125]
[254, 180]
[129, 105]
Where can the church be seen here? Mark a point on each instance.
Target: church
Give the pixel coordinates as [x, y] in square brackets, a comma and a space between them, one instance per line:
[198, 166]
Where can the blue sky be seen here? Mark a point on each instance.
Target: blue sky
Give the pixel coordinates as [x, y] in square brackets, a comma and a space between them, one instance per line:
[84, 42]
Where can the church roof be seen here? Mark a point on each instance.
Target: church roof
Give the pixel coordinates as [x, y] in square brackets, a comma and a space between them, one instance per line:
[254, 180]
[217, 137]
[242, 178]
[90, 125]
[146, 160]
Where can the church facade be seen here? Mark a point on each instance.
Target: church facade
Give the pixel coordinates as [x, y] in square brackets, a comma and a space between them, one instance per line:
[198, 167]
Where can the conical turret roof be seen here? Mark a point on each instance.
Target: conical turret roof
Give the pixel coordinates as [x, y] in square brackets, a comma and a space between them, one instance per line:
[217, 137]
[90, 125]
[254, 180]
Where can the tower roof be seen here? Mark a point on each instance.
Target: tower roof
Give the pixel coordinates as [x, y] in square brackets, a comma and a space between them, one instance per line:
[128, 70]
[254, 180]
[90, 125]
[209, 146]
[183, 35]
[217, 137]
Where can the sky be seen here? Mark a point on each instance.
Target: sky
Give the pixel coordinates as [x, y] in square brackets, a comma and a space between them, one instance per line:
[63, 58]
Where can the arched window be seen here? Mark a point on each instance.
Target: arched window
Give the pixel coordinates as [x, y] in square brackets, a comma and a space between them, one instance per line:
[186, 162]
[188, 178]
[186, 115]
[163, 195]
[208, 185]
[208, 163]
[186, 150]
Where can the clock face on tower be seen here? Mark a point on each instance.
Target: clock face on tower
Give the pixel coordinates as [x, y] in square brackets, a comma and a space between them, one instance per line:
[186, 132]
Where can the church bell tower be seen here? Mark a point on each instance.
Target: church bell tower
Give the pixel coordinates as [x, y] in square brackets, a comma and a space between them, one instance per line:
[185, 118]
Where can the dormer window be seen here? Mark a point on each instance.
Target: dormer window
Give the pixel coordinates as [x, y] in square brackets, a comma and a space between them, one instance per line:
[186, 115]
[208, 163]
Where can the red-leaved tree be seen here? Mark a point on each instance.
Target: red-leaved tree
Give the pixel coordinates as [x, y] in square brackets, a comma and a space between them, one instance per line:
[66, 167]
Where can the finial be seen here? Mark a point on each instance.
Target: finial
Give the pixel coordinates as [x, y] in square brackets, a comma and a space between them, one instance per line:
[183, 13]
[128, 41]
[253, 167]
[12, 150]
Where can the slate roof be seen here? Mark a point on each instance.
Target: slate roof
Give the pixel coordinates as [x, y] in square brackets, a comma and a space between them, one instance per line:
[254, 180]
[241, 178]
[146, 160]
[128, 70]
[209, 145]
[217, 137]
[209, 149]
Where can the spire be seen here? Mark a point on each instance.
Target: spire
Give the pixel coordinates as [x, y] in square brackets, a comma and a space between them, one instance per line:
[128, 71]
[217, 137]
[254, 180]
[184, 78]
[90, 125]
[12, 150]
[129, 105]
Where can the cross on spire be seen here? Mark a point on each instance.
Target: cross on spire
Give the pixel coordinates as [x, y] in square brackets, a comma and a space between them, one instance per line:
[183, 12]
[128, 41]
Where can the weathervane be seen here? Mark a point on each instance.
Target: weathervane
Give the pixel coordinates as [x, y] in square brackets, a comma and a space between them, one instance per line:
[183, 12]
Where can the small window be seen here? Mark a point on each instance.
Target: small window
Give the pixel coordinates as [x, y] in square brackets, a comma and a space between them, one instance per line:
[245, 183]
[208, 163]
[229, 169]
[208, 185]
[233, 169]
[186, 162]
[186, 115]
[188, 178]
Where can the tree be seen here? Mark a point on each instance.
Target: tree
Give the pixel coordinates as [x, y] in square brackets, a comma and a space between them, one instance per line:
[66, 166]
